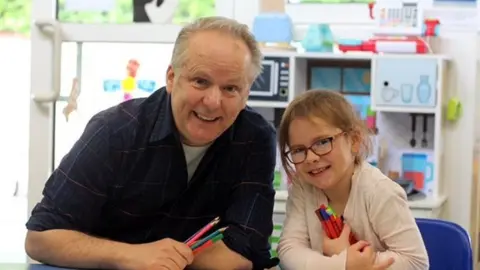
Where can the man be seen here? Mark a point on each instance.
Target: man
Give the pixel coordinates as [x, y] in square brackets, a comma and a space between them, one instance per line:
[147, 174]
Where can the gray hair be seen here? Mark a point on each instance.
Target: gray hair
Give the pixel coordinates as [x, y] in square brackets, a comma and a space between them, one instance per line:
[218, 23]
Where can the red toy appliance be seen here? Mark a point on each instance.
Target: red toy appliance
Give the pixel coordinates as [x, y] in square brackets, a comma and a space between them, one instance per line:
[385, 44]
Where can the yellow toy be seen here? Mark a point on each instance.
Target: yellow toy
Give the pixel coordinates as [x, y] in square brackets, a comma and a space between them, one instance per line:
[129, 84]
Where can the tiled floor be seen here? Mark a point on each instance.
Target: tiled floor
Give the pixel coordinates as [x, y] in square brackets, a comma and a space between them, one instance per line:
[13, 215]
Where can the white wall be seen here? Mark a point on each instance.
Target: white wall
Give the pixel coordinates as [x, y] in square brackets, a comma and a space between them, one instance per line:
[475, 209]
[460, 137]
[15, 57]
[458, 41]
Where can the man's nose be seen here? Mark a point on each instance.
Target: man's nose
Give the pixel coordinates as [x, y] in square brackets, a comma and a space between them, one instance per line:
[213, 97]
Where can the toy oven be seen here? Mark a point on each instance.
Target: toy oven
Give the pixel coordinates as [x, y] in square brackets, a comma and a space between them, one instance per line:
[273, 83]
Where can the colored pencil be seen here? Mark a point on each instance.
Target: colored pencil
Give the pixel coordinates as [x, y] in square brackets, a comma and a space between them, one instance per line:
[322, 221]
[207, 238]
[209, 243]
[338, 230]
[339, 223]
[336, 222]
[202, 231]
[352, 239]
[325, 223]
[330, 225]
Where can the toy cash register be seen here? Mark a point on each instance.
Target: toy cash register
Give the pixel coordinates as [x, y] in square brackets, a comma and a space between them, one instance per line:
[400, 27]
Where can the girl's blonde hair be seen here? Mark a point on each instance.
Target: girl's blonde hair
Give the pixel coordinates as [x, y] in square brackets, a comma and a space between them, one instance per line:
[331, 107]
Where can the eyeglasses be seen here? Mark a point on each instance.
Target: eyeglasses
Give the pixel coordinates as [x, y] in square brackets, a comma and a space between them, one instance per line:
[320, 147]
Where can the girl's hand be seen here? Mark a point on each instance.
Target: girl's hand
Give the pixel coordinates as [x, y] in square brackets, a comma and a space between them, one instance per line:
[336, 246]
[361, 256]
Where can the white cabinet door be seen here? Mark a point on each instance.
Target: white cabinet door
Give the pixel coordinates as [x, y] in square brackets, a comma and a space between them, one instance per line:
[95, 48]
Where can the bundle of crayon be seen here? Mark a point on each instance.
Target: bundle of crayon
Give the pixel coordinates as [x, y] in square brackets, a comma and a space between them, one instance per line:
[197, 244]
[192, 239]
[332, 224]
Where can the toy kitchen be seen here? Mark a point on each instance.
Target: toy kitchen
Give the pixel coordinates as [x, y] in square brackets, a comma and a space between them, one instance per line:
[397, 91]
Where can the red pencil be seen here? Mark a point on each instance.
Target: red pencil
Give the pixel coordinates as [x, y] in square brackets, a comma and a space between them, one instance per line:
[339, 222]
[335, 231]
[329, 224]
[202, 231]
[332, 229]
[327, 230]
[324, 222]
[352, 239]
[203, 247]
[338, 230]
[336, 220]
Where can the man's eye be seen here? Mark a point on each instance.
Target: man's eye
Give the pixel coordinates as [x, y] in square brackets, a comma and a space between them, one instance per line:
[231, 88]
[200, 82]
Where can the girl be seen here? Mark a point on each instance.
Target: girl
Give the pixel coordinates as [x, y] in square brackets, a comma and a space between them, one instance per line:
[324, 145]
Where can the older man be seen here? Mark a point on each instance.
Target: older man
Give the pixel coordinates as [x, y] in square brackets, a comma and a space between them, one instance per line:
[148, 173]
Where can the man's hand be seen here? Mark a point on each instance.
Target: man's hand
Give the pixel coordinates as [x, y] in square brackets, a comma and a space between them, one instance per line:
[220, 257]
[360, 256]
[165, 254]
[336, 246]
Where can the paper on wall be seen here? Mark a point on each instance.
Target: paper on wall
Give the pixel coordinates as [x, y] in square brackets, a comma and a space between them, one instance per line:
[454, 18]
[163, 13]
[89, 5]
[272, 6]
[72, 99]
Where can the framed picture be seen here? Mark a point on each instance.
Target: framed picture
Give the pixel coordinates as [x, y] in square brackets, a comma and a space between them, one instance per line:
[346, 77]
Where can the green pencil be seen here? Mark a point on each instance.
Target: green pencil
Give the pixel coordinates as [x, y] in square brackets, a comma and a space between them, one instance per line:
[211, 236]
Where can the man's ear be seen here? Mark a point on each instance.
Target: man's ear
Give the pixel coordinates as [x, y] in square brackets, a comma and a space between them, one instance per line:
[245, 98]
[170, 79]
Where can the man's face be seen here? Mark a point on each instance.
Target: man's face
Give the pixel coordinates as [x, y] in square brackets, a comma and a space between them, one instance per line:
[211, 88]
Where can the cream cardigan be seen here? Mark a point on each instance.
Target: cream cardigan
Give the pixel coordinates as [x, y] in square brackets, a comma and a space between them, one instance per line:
[377, 211]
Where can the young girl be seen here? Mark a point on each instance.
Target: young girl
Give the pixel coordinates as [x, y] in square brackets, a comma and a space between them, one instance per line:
[324, 145]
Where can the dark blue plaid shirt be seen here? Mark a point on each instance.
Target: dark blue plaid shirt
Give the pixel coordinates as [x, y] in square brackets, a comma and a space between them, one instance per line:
[125, 179]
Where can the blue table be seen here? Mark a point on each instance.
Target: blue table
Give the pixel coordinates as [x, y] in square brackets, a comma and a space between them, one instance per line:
[26, 266]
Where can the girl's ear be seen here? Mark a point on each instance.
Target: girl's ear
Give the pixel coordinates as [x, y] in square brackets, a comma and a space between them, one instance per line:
[356, 138]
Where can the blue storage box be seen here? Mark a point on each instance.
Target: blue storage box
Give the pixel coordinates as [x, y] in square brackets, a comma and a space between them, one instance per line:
[273, 28]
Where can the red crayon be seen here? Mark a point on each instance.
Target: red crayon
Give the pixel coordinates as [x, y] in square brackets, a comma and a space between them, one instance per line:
[325, 223]
[339, 223]
[338, 230]
[329, 224]
[334, 221]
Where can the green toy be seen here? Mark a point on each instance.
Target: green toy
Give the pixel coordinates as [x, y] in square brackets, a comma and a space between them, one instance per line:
[454, 109]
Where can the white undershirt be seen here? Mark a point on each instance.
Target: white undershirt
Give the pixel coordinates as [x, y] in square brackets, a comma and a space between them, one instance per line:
[193, 156]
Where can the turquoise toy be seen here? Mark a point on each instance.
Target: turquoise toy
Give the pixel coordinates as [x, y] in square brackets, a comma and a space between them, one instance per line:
[319, 38]
[273, 28]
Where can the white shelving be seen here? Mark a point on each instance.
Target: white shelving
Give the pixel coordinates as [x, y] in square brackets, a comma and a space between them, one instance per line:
[417, 110]
[267, 104]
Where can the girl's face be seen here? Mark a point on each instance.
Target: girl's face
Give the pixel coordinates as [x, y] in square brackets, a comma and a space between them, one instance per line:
[326, 152]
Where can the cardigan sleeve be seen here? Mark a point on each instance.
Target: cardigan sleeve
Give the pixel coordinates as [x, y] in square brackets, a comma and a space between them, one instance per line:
[395, 226]
[294, 248]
